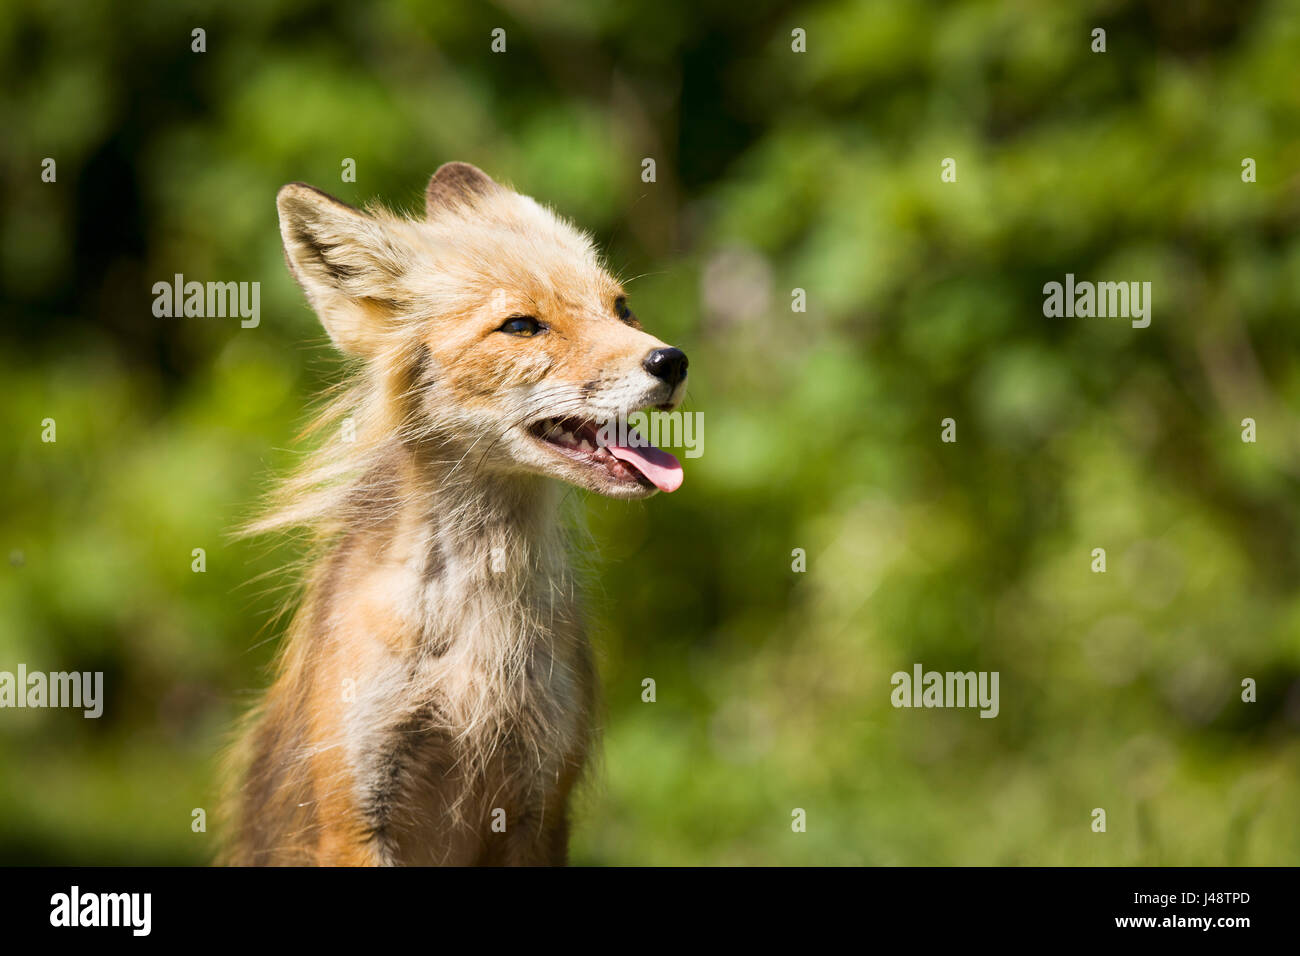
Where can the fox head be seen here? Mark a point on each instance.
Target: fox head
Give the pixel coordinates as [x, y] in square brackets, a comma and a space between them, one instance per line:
[492, 328]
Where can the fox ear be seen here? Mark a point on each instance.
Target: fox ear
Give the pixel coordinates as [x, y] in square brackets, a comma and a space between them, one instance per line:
[348, 263]
[456, 184]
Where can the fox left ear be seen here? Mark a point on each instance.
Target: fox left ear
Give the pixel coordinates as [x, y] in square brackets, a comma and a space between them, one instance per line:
[349, 264]
[456, 184]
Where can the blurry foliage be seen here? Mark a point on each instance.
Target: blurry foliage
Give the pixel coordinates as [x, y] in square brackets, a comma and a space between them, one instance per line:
[818, 171]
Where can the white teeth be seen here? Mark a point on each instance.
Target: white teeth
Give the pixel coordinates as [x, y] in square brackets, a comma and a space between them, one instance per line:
[553, 430]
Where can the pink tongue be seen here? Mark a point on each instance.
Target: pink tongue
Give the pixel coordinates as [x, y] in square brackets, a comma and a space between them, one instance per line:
[661, 468]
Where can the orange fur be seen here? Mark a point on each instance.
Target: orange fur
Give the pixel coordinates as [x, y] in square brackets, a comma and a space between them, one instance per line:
[433, 699]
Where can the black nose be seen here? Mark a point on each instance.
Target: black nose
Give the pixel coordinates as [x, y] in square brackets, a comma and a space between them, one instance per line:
[667, 364]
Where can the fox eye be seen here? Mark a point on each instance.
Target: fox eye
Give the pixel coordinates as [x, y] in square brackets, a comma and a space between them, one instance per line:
[622, 311]
[524, 325]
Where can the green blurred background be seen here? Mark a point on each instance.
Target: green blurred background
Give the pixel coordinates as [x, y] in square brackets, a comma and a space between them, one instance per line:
[776, 171]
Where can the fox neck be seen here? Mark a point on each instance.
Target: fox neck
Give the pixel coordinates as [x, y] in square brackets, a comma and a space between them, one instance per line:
[500, 653]
[490, 552]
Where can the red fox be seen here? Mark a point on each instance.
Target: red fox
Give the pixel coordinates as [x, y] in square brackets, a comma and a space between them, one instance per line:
[434, 695]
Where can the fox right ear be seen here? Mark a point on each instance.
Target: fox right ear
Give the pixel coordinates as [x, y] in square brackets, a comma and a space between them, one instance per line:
[348, 263]
[456, 184]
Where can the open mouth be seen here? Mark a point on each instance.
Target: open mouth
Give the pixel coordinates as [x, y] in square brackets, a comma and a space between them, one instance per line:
[623, 454]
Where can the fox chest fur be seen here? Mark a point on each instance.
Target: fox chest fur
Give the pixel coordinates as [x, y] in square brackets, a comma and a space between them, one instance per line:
[441, 713]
